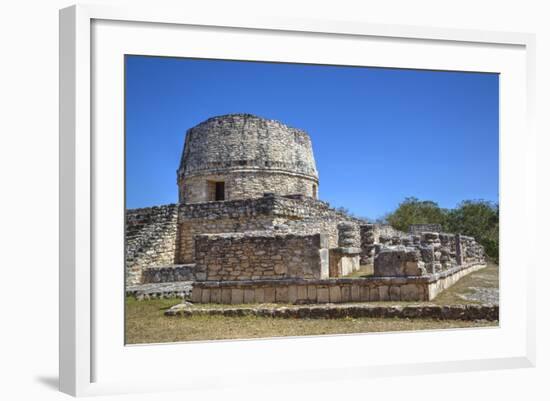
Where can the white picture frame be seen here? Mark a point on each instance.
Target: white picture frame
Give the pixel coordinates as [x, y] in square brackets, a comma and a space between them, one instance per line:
[85, 326]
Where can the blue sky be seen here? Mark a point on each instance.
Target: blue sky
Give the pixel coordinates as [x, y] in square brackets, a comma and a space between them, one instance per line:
[379, 135]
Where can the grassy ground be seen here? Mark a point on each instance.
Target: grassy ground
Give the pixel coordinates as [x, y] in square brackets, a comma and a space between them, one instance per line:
[146, 323]
[468, 288]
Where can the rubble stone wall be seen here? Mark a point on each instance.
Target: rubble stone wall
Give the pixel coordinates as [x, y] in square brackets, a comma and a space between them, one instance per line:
[372, 234]
[427, 253]
[188, 229]
[260, 255]
[168, 274]
[246, 184]
[150, 239]
[292, 214]
[252, 155]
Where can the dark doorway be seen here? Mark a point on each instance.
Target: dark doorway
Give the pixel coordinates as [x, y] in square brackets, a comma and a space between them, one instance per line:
[220, 191]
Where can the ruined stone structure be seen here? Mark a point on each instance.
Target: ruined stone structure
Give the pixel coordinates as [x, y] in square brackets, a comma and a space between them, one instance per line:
[241, 156]
[249, 228]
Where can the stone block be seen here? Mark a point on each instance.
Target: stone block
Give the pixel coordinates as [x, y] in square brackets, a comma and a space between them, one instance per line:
[374, 294]
[383, 293]
[302, 293]
[237, 296]
[335, 294]
[346, 293]
[292, 294]
[312, 293]
[364, 293]
[259, 295]
[324, 263]
[196, 295]
[395, 293]
[356, 293]
[226, 295]
[394, 262]
[281, 294]
[409, 292]
[269, 295]
[280, 269]
[322, 295]
[249, 296]
[205, 298]
[215, 295]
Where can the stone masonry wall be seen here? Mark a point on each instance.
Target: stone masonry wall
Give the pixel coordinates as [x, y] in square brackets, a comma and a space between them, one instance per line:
[260, 255]
[150, 239]
[294, 213]
[373, 234]
[189, 228]
[251, 154]
[324, 225]
[338, 290]
[247, 184]
[426, 253]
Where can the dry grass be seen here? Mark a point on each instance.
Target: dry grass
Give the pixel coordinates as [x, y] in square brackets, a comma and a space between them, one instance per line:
[146, 323]
[484, 279]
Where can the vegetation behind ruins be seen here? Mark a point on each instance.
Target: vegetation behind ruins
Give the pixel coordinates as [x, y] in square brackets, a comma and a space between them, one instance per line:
[476, 218]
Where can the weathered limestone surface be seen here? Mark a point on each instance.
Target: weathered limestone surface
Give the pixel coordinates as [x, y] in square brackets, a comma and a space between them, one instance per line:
[426, 253]
[345, 259]
[292, 214]
[399, 261]
[257, 255]
[250, 154]
[150, 239]
[166, 274]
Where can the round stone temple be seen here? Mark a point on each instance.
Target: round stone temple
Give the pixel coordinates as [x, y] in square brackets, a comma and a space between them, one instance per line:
[241, 156]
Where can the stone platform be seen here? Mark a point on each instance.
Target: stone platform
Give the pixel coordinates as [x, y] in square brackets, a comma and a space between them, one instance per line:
[337, 290]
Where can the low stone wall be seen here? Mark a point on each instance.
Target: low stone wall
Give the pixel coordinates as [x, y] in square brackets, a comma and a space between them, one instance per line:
[442, 281]
[330, 311]
[338, 290]
[168, 274]
[257, 255]
[177, 289]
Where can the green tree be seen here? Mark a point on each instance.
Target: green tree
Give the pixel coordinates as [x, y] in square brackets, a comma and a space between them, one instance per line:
[415, 211]
[479, 219]
[476, 218]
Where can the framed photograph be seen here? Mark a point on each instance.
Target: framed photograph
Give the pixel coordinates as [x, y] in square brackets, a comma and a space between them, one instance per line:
[279, 195]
